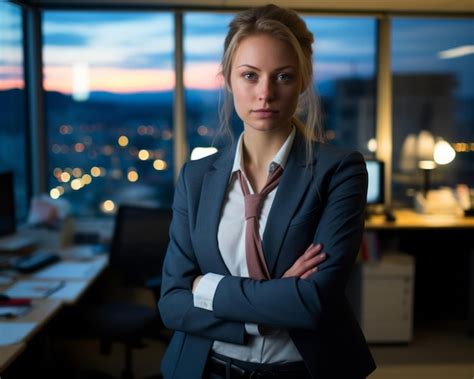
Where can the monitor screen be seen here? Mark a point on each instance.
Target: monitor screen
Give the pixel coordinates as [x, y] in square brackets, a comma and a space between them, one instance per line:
[375, 191]
[7, 204]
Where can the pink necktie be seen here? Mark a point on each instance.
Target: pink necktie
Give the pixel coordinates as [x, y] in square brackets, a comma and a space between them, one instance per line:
[253, 207]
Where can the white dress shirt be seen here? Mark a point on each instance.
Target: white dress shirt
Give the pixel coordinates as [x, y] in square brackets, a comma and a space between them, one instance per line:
[277, 347]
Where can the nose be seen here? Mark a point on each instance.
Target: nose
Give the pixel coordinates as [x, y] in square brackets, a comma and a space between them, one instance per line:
[266, 91]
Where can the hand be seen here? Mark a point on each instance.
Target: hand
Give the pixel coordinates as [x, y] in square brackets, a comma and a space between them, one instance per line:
[308, 263]
[196, 282]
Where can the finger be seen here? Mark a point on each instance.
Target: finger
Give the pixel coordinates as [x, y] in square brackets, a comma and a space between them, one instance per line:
[313, 262]
[306, 263]
[313, 249]
[308, 273]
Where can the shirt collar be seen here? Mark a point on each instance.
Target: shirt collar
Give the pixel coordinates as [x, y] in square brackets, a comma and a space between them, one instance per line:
[280, 157]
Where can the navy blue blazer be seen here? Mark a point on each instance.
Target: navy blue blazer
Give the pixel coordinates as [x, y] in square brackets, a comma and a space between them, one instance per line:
[323, 205]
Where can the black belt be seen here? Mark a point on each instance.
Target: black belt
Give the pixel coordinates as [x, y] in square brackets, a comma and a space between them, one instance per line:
[220, 365]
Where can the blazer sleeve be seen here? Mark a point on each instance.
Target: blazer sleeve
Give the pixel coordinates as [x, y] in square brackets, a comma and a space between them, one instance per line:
[179, 270]
[295, 302]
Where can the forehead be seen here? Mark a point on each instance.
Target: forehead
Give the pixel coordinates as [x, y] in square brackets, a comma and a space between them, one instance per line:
[264, 51]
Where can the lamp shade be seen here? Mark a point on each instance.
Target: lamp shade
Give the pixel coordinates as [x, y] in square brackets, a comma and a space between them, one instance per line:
[425, 146]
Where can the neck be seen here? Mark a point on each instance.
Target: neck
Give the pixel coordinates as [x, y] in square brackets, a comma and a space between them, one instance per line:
[259, 147]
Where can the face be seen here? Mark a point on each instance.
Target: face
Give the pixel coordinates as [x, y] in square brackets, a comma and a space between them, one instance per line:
[265, 83]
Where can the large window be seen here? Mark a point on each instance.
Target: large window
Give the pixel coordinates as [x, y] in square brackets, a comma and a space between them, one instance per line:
[345, 76]
[204, 35]
[433, 100]
[109, 82]
[13, 129]
[344, 51]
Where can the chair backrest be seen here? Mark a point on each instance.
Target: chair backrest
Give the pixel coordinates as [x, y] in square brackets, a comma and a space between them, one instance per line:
[139, 242]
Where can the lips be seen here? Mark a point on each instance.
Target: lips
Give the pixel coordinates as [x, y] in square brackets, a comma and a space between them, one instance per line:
[265, 110]
[264, 113]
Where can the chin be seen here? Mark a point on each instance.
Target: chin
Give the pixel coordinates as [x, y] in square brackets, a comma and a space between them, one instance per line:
[265, 125]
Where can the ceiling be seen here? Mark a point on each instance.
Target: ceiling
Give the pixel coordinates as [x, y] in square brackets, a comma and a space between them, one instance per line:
[349, 6]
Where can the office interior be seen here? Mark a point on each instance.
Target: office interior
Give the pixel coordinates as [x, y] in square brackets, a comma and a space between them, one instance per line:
[101, 103]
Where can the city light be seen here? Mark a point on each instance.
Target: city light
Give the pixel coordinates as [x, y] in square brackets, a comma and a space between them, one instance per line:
[202, 130]
[132, 176]
[123, 141]
[143, 155]
[79, 147]
[167, 135]
[87, 179]
[66, 129]
[56, 149]
[107, 206]
[159, 165]
[95, 171]
[65, 177]
[108, 150]
[77, 172]
[77, 184]
[54, 193]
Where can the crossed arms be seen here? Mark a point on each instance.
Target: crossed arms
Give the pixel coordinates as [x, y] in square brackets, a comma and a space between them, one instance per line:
[273, 302]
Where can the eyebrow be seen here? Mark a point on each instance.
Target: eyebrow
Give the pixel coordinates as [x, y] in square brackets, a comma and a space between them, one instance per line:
[256, 68]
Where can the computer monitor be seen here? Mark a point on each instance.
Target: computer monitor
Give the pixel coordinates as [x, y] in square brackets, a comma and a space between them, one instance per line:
[7, 204]
[375, 191]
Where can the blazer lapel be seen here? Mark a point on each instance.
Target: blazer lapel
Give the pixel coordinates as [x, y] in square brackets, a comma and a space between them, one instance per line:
[293, 183]
[214, 187]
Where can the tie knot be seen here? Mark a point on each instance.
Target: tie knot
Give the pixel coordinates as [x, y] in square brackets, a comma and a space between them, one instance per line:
[253, 205]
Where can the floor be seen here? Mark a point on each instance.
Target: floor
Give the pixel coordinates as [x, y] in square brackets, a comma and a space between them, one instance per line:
[438, 351]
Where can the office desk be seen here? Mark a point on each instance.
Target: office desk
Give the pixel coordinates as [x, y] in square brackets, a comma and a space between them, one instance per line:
[45, 309]
[9, 353]
[41, 312]
[410, 221]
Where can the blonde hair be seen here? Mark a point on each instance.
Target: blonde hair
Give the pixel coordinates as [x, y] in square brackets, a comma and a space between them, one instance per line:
[287, 26]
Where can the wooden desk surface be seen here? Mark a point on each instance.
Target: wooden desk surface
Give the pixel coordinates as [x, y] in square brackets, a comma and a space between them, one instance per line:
[408, 219]
[41, 312]
[8, 354]
[44, 309]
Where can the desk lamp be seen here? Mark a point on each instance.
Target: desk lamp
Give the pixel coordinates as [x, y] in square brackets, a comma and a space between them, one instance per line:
[425, 145]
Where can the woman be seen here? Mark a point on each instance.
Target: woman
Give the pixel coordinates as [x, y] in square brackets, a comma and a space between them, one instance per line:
[246, 286]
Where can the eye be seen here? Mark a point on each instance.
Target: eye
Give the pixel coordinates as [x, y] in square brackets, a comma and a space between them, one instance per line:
[284, 76]
[249, 75]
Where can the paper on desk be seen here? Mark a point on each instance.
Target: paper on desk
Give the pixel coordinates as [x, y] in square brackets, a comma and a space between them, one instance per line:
[33, 289]
[14, 332]
[69, 270]
[70, 291]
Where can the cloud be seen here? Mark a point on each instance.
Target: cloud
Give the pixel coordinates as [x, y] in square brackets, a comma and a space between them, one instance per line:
[110, 42]
[65, 39]
[211, 46]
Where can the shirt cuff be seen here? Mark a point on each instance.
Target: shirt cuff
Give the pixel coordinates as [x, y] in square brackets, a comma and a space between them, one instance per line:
[203, 295]
[252, 329]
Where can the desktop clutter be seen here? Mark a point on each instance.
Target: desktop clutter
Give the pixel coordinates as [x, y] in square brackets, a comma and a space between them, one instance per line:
[32, 262]
[446, 201]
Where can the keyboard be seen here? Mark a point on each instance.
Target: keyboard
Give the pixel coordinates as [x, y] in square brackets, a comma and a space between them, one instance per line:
[35, 261]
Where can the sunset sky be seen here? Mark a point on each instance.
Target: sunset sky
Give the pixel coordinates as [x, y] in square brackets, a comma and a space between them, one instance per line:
[127, 52]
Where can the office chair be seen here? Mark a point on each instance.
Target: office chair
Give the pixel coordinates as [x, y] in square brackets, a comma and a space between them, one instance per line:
[139, 243]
